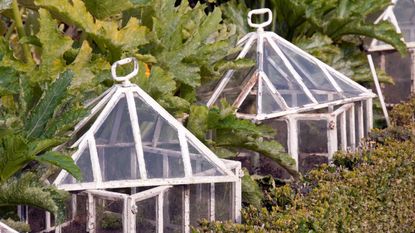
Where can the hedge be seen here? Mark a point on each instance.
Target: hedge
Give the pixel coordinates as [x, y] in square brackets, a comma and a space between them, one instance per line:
[369, 191]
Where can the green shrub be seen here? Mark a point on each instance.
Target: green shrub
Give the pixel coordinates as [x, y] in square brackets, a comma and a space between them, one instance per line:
[370, 191]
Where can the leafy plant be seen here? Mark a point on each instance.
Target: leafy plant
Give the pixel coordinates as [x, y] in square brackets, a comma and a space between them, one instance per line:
[334, 31]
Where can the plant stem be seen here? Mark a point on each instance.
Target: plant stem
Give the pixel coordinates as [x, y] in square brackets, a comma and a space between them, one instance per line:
[20, 31]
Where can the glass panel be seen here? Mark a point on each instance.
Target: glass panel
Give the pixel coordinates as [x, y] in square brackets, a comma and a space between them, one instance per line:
[160, 140]
[37, 219]
[146, 217]
[233, 88]
[201, 166]
[249, 105]
[115, 145]
[84, 163]
[312, 136]
[365, 116]
[404, 12]
[199, 203]
[269, 104]
[356, 120]
[79, 223]
[399, 68]
[223, 201]
[109, 215]
[281, 128]
[348, 89]
[313, 77]
[173, 210]
[282, 78]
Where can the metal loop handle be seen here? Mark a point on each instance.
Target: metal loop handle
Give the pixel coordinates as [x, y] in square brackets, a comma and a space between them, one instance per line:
[262, 11]
[124, 61]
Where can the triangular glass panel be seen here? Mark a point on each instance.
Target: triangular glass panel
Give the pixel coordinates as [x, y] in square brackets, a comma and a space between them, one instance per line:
[249, 104]
[201, 166]
[115, 145]
[160, 141]
[404, 11]
[269, 100]
[85, 165]
[348, 89]
[235, 84]
[313, 76]
[282, 78]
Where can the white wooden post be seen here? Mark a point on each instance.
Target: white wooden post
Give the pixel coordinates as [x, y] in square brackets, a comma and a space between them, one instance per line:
[212, 202]
[343, 129]
[352, 128]
[360, 121]
[160, 220]
[332, 137]
[186, 209]
[91, 226]
[369, 115]
[238, 195]
[293, 139]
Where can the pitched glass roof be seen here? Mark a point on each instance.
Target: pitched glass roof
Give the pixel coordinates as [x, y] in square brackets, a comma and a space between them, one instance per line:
[132, 141]
[285, 79]
[402, 15]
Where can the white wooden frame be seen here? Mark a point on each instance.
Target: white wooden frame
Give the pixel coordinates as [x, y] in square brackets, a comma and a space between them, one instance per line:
[388, 15]
[107, 104]
[333, 142]
[261, 36]
[6, 229]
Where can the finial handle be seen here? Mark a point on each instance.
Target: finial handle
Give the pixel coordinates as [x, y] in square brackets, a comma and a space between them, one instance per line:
[262, 11]
[125, 79]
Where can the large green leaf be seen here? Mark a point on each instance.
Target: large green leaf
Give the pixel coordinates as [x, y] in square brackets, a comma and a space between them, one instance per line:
[62, 161]
[9, 81]
[102, 9]
[54, 45]
[198, 121]
[106, 34]
[37, 120]
[13, 155]
[27, 189]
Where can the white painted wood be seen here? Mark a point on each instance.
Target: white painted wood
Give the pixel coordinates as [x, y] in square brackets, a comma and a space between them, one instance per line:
[300, 110]
[148, 182]
[160, 225]
[343, 128]
[352, 128]
[47, 220]
[186, 209]
[74, 203]
[360, 120]
[137, 135]
[293, 140]
[246, 90]
[369, 115]
[107, 194]
[332, 138]
[6, 229]
[212, 202]
[260, 62]
[91, 226]
[238, 195]
[378, 89]
[96, 168]
[149, 193]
